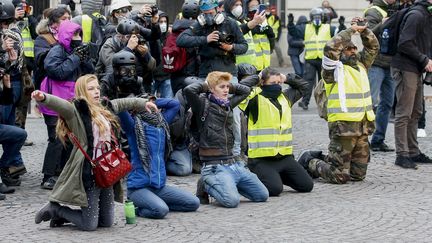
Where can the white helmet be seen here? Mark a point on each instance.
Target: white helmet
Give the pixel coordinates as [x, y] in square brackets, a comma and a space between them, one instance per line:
[118, 4]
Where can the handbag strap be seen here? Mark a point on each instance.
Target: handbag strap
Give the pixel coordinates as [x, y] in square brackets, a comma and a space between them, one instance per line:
[75, 141]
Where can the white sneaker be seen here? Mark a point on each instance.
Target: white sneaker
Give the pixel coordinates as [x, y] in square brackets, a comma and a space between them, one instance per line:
[421, 133]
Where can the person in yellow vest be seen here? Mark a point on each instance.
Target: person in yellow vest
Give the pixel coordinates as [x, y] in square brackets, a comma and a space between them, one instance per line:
[274, 21]
[263, 37]
[270, 153]
[315, 35]
[349, 108]
[93, 25]
[234, 9]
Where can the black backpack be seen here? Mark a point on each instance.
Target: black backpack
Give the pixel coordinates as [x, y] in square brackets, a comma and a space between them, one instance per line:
[390, 32]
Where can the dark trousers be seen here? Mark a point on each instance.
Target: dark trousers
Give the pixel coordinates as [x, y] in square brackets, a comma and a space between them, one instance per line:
[12, 139]
[312, 67]
[422, 120]
[409, 107]
[56, 153]
[274, 173]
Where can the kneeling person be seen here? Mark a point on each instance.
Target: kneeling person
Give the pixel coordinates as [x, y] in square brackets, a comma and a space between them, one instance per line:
[269, 132]
[223, 175]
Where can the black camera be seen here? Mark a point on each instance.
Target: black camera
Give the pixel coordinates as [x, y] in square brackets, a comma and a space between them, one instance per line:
[141, 40]
[428, 79]
[226, 38]
[154, 11]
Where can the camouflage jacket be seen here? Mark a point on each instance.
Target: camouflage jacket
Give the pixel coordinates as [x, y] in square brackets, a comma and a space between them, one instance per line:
[333, 50]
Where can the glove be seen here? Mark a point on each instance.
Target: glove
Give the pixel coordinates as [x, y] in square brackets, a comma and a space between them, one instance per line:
[82, 52]
[290, 19]
[341, 20]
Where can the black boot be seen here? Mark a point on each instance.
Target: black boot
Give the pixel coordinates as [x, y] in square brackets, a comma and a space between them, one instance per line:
[5, 189]
[201, 193]
[306, 156]
[47, 212]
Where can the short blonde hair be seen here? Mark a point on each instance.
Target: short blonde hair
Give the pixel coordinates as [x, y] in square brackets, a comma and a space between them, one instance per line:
[216, 77]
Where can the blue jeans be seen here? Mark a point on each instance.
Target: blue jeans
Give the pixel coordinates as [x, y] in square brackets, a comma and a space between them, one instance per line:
[236, 126]
[225, 182]
[180, 161]
[156, 203]
[297, 65]
[8, 111]
[12, 139]
[164, 88]
[383, 92]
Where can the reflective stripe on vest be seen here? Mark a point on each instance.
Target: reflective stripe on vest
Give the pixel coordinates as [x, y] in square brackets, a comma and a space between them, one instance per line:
[28, 43]
[358, 97]
[250, 55]
[86, 24]
[262, 50]
[274, 24]
[380, 10]
[314, 43]
[271, 134]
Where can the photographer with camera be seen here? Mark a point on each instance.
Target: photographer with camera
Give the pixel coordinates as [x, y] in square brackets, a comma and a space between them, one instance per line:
[128, 38]
[64, 64]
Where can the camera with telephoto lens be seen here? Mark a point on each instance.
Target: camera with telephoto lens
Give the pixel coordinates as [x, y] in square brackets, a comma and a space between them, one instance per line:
[154, 11]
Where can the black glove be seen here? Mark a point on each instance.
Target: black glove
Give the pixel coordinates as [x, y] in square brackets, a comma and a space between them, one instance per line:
[83, 52]
[290, 19]
[342, 20]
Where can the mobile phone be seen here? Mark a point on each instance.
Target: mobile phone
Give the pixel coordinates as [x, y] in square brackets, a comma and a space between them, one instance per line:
[261, 7]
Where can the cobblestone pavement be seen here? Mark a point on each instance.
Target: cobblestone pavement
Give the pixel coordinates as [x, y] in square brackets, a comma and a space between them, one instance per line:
[391, 205]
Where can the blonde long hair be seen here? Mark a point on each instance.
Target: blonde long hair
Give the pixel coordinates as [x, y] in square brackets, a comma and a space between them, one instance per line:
[96, 110]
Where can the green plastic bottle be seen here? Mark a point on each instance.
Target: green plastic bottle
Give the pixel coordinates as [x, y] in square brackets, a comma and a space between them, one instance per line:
[129, 208]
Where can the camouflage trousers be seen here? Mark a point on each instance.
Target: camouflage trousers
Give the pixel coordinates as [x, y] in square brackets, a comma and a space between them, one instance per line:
[348, 159]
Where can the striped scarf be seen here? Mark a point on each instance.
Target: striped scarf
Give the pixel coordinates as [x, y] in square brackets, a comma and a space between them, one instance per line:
[154, 119]
[16, 37]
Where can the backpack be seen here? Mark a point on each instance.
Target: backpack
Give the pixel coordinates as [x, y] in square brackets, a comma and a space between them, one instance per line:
[321, 98]
[390, 31]
[174, 58]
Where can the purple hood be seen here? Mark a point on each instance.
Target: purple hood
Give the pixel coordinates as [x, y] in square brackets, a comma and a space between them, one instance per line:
[66, 32]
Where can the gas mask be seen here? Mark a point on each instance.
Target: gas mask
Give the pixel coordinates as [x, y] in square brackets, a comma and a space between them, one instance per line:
[127, 79]
[317, 20]
[237, 11]
[210, 20]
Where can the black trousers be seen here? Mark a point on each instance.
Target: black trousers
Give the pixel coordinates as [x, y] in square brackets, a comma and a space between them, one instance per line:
[56, 154]
[274, 173]
[312, 67]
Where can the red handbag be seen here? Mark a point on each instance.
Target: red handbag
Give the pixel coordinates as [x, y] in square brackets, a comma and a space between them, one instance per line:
[109, 167]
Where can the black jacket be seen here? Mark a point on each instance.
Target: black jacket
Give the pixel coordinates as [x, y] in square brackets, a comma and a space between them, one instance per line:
[216, 131]
[415, 41]
[214, 58]
[295, 42]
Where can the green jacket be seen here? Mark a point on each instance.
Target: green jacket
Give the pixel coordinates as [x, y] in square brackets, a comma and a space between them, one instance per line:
[69, 188]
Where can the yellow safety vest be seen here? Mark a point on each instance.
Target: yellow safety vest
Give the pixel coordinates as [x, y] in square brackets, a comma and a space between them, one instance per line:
[86, 24]
[249, 57]
[28, 42]
[272, 133]
[380, 10]
[262, 51]
[358, 97]
[274, 24]
[314, 43]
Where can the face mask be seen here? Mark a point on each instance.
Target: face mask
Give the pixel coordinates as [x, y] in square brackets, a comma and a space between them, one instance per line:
[317, 22]
[163, 27]
[268, 14]
[272, 90]
[237, 11]
[75, 43]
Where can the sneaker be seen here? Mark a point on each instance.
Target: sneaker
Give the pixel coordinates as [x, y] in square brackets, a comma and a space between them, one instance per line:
[307, 155]
[28, 143]
[50, 183]
[405, 162]
[2, 196]
[8, 180]
[303, 105]
[15, 171]
[421, 133]
[5, 189]
[381, 147]
[421, 158]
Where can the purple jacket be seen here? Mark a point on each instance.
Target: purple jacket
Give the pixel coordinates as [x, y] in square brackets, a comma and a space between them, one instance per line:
[63, 67]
